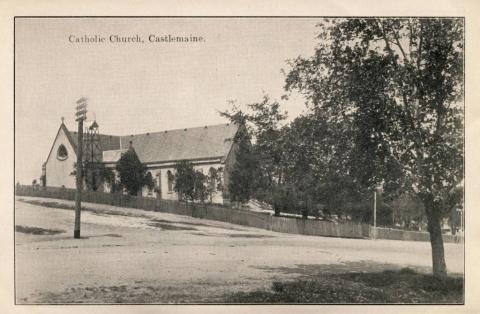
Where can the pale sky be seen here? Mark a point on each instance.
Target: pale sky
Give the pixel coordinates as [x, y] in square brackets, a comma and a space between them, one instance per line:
[146, 87]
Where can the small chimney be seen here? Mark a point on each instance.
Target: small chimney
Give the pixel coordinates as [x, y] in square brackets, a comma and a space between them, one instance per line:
[130, 145]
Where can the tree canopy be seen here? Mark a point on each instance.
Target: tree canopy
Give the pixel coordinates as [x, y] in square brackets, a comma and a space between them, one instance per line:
[259, 152]
[132, 173]
[190, 184]
[394, 89]
[384, 101]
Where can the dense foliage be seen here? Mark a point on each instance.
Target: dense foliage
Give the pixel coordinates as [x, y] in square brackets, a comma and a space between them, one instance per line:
[246, 176]
[395, 87]
[384, 110]
[132, 173]
[190, 184]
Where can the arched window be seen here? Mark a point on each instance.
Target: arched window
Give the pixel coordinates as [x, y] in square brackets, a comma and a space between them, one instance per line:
[150, 188]
[62, 153]
[170, 180]
[157, 182]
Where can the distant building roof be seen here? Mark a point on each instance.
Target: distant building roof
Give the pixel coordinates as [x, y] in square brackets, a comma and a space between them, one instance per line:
[212, 141]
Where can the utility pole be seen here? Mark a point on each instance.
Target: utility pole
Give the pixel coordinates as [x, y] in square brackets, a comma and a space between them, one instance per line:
[81, 114]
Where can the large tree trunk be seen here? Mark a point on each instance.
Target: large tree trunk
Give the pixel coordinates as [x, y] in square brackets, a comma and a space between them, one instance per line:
[436, 241]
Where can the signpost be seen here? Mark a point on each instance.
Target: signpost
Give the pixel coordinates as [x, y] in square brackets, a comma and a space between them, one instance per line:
[375, 214]
[81, 115]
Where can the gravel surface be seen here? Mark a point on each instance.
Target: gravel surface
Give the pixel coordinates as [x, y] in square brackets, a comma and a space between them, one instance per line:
[134, 256]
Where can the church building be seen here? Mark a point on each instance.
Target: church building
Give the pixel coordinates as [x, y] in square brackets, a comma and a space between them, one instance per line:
[210, 149]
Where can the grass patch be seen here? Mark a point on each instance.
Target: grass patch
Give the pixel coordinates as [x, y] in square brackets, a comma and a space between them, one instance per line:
[403, 286]
[37, 230]
[139, 293]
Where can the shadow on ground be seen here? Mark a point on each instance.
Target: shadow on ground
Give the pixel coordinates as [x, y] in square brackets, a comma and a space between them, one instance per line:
[313, 284]
[306, 271]
[169, 226]
[37, 230]
[361, 282]
[196, 224]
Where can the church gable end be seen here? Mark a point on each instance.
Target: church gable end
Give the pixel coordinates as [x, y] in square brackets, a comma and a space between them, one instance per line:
[60, 160]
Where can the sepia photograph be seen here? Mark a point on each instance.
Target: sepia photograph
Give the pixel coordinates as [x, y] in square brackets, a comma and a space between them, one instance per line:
[239, 160]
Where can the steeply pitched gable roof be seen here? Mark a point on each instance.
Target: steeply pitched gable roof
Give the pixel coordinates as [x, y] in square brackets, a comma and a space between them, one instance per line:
[213, 141]
[69, 137]
[193, 143]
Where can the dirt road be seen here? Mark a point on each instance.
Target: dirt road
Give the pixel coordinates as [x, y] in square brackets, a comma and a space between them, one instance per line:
[134, 256]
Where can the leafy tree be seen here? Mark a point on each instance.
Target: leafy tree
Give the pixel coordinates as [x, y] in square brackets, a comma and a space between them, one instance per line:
[298, 155]
[200, 187]
[108, 176]
[214, 182]
[265, 119]
[455, 202]
[284, 199]
[262, 140]
[397, 87]
[244, 173]
[316, 161]
[190, 184]
[408, 211]
[95, 174]
[300, 152]
[185, 180]
[148, 181]
[132, 173]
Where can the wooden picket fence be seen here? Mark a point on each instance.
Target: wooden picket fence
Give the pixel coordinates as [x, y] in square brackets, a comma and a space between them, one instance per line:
[397, 234]
[209, 211]
[232, 215]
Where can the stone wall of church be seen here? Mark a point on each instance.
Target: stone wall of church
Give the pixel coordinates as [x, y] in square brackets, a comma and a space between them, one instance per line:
[165, 190]
[59, 167]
